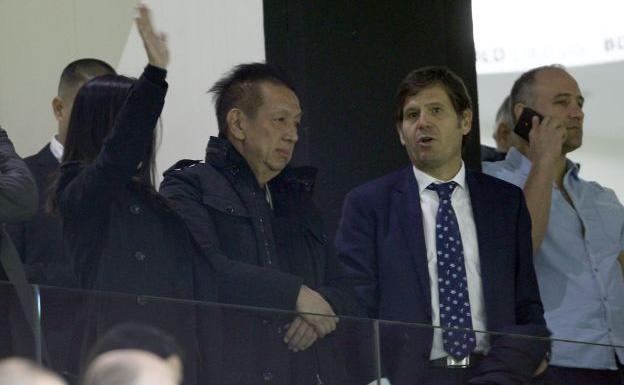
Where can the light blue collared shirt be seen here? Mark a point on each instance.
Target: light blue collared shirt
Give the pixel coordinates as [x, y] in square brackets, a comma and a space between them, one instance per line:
[577, 267]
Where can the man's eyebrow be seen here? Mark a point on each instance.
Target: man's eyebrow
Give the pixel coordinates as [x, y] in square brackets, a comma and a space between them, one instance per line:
[568, 95]
[435, 103]
[280, 110]
[565, 94]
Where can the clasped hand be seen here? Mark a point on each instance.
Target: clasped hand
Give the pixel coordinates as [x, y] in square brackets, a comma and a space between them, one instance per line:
[317, 319]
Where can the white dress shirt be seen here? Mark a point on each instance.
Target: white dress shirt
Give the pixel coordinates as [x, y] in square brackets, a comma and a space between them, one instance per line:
[460, 200]
[56, 148]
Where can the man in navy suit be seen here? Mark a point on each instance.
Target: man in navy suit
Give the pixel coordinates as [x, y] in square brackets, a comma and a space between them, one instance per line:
[437, 244]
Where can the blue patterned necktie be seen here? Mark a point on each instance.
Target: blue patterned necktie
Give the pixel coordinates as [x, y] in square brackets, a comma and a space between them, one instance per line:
[452, 282]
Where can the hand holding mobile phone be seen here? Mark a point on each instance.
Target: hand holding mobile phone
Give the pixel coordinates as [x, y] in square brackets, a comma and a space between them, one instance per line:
[525, 122]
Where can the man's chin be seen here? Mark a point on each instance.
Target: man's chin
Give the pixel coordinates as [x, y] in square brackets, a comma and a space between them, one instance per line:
[278, 166]
[426, 163]
[571, 145]
[574, 139]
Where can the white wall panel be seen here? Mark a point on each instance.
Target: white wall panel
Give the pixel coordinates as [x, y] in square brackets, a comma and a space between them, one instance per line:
[206, 39]
[39, 37]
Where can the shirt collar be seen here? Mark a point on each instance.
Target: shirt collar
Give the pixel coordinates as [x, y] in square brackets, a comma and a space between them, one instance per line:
[56, 148]
[518, 161]
[424, 179]
[572, 169]
[522, 163]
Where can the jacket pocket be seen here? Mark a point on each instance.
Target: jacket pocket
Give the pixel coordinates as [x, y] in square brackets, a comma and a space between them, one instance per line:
[233, 228]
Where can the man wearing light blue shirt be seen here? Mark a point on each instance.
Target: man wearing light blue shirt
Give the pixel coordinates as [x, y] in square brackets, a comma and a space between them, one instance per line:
[578, 231]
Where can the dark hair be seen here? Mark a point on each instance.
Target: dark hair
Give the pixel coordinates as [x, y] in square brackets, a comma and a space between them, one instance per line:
[136, 336]
[115, 374]
[93, 115]
[522, 89]
[81, 70]
[425, 77]
[239, 89]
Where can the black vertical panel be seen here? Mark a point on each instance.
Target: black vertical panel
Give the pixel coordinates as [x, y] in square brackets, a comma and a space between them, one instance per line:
[346, 59]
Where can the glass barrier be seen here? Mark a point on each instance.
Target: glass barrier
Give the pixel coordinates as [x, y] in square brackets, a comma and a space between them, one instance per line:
[514, 354]
[228, 344]
[220, 344]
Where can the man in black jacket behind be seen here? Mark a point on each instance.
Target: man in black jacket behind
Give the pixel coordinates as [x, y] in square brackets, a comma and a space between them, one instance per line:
[18, 202]
[18, 191]
[246, 203]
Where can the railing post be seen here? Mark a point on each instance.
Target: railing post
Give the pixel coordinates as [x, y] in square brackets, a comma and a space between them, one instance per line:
[377, 347]
[37, 325]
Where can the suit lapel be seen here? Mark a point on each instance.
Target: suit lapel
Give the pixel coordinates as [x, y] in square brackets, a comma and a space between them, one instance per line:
[484, 222]
[45, 158]
[409, 212]
[45, 166]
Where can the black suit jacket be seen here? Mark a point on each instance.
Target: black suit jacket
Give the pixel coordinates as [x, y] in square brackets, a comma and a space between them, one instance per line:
[18, 201]
[381, 244]
[39, 241]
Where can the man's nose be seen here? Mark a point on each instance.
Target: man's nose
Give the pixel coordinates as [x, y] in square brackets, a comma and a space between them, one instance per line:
[423, 120]
[576, 111]
[292, 135]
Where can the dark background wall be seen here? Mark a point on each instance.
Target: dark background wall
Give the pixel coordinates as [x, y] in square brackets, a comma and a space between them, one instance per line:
[346, 59]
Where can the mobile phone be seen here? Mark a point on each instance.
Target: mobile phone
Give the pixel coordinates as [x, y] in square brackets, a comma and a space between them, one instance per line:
[525, 122]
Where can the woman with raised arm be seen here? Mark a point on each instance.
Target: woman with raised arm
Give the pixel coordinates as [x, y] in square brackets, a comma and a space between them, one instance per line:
[119, 233]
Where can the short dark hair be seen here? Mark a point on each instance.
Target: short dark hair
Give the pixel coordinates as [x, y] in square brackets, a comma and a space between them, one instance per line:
[522, 89]
[425, 77]
[136, 336]
[114, 374]
[239, 88]
[81, 70]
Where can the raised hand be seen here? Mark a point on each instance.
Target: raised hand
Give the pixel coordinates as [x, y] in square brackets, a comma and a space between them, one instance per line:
[546, 140]
[155, 43]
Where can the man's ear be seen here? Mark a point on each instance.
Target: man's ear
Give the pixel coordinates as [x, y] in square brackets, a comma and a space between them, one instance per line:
[466, 121]
[518, 107]
[58, 107]
[400, 131]
[235, 120]
[503, 137]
